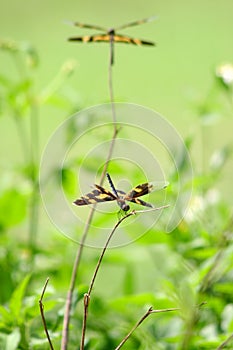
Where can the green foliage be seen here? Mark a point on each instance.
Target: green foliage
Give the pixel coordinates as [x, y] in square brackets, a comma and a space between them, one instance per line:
[12, 319]
[12, 208]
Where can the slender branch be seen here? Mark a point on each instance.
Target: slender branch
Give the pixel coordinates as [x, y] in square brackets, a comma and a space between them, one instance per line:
[149, 312]
[213, 270]
[30, 149]
[104, 249]
[110, 86]
[22, 134]
[42, 314]
[34, 161]
[87, 296]
[134, 327]
[191, 320]
[151, 209]
[65, 330]
[225, 343]
[66, 321]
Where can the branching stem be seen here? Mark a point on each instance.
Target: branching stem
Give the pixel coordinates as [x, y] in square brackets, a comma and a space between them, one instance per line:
[65, 330]
[42, 314]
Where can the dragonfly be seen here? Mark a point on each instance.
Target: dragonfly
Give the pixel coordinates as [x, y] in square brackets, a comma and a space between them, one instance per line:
[100, 194]
[110, 35]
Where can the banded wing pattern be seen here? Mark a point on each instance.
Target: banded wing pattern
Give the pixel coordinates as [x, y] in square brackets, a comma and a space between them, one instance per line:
[100, 194]
[110, 35]
[139, 191]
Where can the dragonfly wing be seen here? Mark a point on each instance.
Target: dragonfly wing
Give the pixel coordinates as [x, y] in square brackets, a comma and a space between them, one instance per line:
[139, 191]
[158, 185]
[128, 40]
[88, 26]
[121, 193]
[110, 38]
[99, 194]
[141, 202]
[135, 23]
[146, 188]
[91, 38]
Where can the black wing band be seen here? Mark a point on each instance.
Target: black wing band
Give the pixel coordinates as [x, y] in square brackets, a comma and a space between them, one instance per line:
[88, 26]
[96, 196]
[141, 202]
[107, 38]
[136, 23]
[139, 191]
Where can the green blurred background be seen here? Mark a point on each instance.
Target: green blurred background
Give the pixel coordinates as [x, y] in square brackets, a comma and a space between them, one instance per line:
[177, 79]
[173, 78]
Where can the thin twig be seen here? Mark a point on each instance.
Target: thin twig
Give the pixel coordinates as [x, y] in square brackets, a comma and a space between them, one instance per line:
[151, 209]
[110, 86]
[149, 312]
[210, 276]
[88, 294]
[226, 342]
[191, 321]
[66, 321]
[22, 134]
[30, 149]
[42, 314]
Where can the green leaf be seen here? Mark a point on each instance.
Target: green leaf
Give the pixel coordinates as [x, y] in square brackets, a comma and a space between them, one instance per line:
[31, 55]
[8, 45]
[13, 339]
[12, 208]
[17, 299]
[224, 287]
[142, 300]
[219, 158]
[69, 181]
[6, 318]
[129, 280]
[18, 97]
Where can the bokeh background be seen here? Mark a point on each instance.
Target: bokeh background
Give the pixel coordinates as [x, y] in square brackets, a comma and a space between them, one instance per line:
[174, 78]
[177, 79]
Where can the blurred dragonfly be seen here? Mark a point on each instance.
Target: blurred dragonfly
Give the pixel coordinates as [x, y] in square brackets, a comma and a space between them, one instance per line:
[110, 35]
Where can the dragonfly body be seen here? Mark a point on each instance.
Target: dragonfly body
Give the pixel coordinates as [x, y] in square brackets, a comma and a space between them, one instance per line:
[100, 194]
[110, 35]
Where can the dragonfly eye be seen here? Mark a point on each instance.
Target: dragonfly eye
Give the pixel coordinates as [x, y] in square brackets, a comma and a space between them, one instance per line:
[125, 207]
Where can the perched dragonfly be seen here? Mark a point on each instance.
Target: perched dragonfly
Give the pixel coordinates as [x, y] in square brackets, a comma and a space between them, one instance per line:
[111, 36]
[100, 194]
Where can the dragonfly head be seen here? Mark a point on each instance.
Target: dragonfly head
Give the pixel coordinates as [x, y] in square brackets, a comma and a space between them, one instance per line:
[125, 207]
[111, 31]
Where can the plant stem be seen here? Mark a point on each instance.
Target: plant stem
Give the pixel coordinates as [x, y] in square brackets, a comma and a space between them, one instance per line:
[34, 159]
[42, 314]
[30, 150]
[225, 343]
[110, 86]
[22, 136]
[149, 312]
[66, 321]
[87, 296]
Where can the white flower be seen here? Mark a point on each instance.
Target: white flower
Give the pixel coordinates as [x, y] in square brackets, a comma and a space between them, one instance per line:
[225, 72]
[199, 204]
[196, 206]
